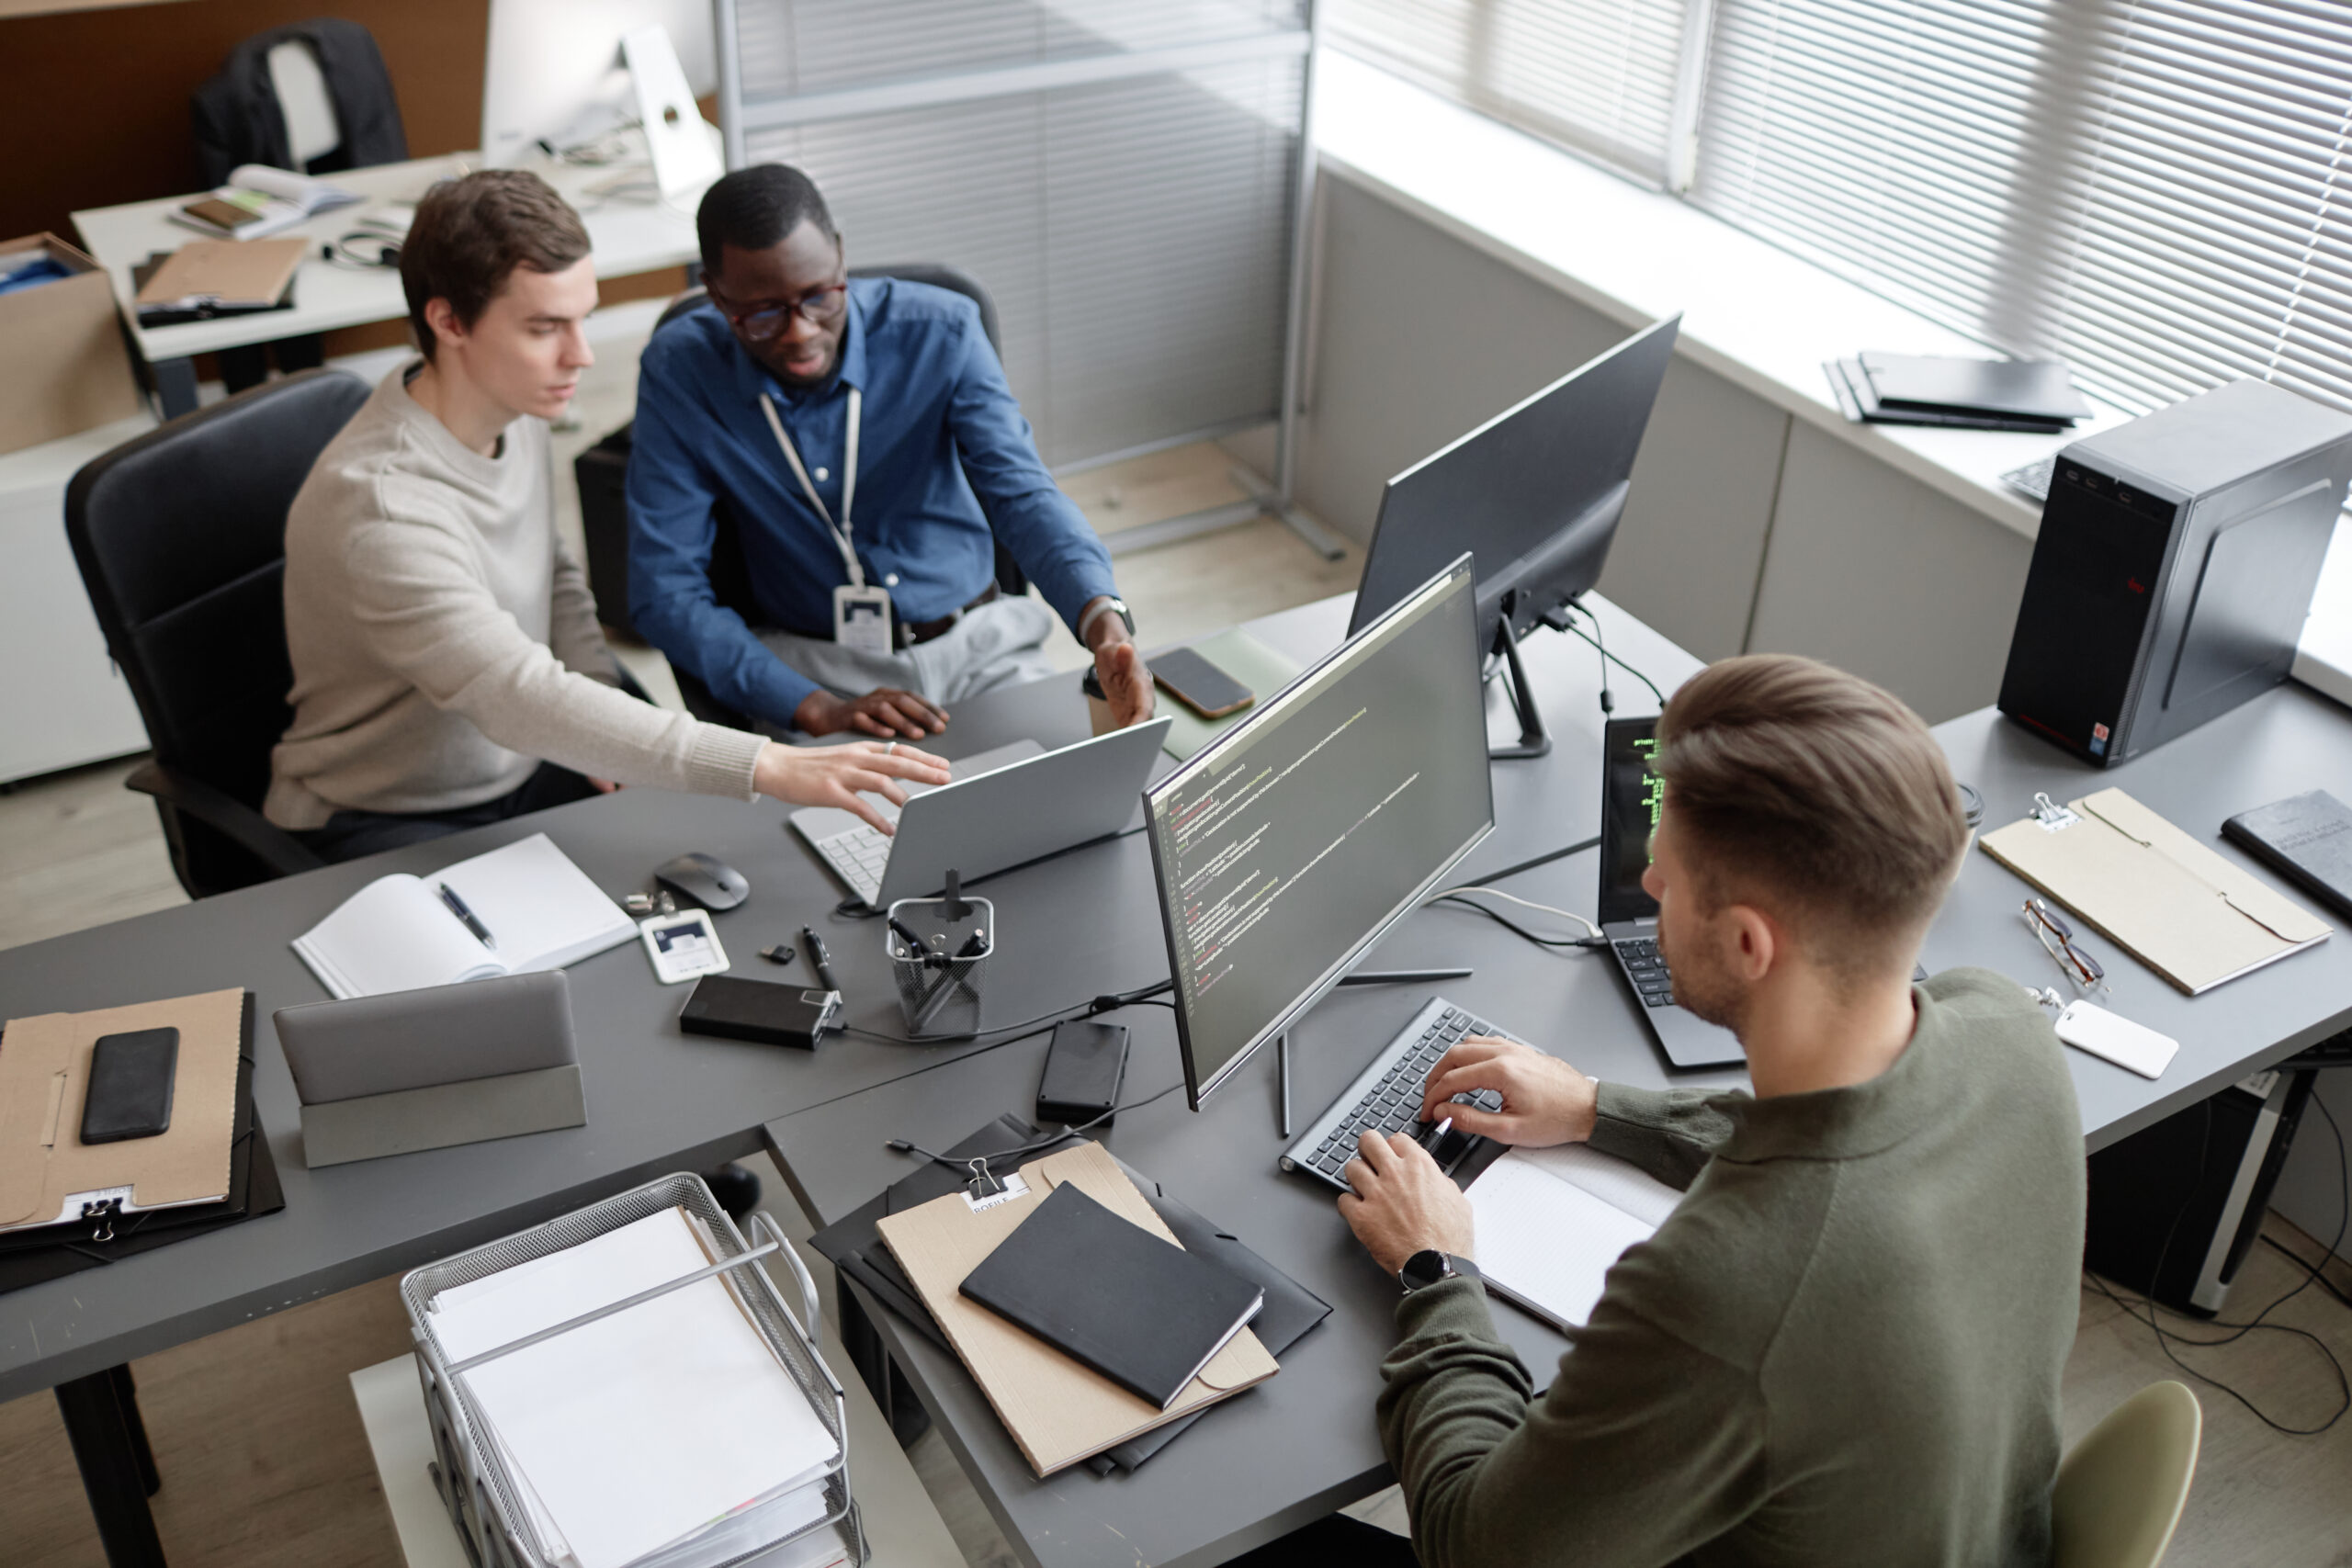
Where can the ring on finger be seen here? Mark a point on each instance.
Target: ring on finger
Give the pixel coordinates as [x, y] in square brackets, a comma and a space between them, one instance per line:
[890, 748]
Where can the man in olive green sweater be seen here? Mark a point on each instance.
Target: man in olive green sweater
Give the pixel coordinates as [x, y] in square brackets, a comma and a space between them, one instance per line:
[1845, 1344]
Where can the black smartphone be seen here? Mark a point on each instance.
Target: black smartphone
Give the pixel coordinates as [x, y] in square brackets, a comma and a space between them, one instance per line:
[129, 1092]
[1199, 685]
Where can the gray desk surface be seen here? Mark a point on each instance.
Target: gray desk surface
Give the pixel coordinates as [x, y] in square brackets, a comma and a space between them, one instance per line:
[1304, 1443]
[658, 1100]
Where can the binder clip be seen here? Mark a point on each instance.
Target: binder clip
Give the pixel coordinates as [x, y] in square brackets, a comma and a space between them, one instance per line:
[2052, 816]
[984, 1182]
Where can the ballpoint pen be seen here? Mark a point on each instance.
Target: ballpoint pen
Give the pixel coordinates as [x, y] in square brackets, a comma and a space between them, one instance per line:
[818, 959]
[457, 907]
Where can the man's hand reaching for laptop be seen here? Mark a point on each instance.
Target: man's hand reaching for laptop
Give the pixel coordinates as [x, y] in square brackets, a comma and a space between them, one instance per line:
[1545, 1100]
[842, 776]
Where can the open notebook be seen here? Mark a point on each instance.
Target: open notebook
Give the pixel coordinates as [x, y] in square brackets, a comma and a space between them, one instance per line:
[396, 933]
[1551, 1222]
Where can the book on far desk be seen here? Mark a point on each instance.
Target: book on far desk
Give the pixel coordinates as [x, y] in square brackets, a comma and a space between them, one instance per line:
[398, 934]
[2307, 839]
[1553, 1222]
[1058, 1410]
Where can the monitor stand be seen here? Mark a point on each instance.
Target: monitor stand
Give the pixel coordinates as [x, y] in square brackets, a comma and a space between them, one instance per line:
[1532, 740]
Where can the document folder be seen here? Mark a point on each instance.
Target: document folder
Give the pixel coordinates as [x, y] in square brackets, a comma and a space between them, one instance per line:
[1057, 1411]
[2170, 901]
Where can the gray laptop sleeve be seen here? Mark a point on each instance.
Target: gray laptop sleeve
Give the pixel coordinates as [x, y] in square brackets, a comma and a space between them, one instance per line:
[442, 1035]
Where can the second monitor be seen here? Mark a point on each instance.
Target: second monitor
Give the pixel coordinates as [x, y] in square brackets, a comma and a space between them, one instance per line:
[1289, 844]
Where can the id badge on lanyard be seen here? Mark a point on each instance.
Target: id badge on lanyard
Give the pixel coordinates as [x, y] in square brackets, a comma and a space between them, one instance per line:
[861, 611]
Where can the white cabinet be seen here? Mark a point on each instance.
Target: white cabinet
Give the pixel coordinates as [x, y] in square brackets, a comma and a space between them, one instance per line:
[61, 703]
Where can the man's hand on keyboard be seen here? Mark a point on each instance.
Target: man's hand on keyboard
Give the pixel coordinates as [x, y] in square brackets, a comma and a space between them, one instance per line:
[1401, 1203]
[842, 776]
[1545, 1099]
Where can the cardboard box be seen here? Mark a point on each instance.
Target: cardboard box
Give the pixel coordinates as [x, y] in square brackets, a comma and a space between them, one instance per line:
[68, 367]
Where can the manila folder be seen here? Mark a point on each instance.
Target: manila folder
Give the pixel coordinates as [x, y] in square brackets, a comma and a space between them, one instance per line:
[1057, 1411]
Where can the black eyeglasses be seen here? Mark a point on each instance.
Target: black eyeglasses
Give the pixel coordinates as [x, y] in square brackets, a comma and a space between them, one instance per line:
[2058, 938]
[816, 307]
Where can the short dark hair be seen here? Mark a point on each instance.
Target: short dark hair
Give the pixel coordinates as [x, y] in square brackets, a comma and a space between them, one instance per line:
[470, 234]
[1820, 792]
[754, 209]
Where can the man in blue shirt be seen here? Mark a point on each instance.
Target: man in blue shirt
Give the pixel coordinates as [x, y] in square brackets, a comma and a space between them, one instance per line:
[862, 436]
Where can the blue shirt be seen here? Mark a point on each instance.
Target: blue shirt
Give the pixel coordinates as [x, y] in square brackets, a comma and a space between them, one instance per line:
[942, 453]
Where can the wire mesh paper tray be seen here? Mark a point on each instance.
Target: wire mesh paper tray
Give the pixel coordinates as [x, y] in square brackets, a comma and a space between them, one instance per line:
[472, 1478]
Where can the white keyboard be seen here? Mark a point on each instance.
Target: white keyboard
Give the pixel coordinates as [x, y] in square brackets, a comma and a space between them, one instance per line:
[859, 856]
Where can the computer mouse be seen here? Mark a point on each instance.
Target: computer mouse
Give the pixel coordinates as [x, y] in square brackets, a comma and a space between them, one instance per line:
[704, 880]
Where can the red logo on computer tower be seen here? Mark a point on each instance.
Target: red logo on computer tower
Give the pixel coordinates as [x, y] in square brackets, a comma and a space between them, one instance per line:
[2099, 732]
[2134, 584]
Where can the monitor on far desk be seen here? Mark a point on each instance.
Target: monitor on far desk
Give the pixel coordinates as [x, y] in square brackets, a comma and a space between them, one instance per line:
[1534, 495]
[1291, 843]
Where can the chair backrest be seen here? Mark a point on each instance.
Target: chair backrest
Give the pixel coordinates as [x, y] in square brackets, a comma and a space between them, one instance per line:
[2120, 1490]
[181, 539]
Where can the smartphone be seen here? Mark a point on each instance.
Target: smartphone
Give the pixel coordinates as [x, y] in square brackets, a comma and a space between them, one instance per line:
[130, 1092]
[1199, 685]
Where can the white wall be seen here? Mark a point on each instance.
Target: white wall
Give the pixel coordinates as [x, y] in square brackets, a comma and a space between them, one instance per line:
[1746, 530]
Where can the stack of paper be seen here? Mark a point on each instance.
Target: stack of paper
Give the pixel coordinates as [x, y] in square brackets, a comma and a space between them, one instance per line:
[647, 1437]
[1551, 1223]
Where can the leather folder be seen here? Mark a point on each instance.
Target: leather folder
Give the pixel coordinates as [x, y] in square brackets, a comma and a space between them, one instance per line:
[2170, 901]
[1058, 1411]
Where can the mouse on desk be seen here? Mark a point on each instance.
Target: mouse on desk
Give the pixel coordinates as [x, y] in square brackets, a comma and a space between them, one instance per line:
[704, 881]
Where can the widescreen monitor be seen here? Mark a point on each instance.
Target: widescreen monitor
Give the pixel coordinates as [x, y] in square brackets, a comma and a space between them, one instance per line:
[1290, 844]
[1533, 494]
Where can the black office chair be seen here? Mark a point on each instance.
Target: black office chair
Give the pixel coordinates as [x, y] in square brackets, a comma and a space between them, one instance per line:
[181, 539]
[602, 472]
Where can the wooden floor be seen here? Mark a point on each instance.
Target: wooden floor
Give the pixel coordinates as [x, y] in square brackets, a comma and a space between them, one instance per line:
[261, 1445]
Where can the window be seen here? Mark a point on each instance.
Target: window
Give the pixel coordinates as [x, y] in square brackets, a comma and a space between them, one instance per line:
[2154, 191]
[1597, 75]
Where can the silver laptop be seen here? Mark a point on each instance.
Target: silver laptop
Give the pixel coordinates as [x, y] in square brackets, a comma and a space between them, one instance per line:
[1630, 794]
[1004, 807]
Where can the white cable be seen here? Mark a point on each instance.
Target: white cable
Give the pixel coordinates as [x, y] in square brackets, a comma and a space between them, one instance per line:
[1523, 903]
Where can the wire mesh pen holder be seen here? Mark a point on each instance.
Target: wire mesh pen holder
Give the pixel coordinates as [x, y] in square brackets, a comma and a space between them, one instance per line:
[939, 950]
[469, 1471]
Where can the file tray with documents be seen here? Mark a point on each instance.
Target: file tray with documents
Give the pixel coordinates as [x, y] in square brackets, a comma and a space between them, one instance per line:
[486, 1499]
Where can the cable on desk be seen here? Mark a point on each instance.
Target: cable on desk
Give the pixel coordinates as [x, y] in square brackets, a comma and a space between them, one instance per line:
[1460, 896]
[2166, 1341]
[1546, 858]
[1558, 621]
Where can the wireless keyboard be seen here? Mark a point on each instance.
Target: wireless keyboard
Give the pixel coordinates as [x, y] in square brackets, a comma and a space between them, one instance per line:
[1386, 1095]
[857, 856]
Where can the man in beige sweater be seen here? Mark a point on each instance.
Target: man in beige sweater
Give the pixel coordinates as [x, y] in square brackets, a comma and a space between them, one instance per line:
[448, 669]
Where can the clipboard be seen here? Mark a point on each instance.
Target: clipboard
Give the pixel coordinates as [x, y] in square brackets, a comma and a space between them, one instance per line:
[2170, 901]
[1058, 1411]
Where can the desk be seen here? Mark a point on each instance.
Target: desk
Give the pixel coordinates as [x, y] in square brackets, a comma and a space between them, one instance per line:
[1305, 1442]
[658, 1100]
[631, 235]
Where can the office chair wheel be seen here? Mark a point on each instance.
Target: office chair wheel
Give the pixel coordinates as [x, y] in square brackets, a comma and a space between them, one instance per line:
[737, 1189]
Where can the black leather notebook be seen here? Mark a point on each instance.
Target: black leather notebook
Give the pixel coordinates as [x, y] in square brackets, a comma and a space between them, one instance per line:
[2307, 839]
[1112, 1296]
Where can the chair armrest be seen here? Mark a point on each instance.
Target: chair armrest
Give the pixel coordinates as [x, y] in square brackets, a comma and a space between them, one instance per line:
[266, 841]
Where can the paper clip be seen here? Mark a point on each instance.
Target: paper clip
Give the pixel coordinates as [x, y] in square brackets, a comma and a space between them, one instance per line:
[2052, 816]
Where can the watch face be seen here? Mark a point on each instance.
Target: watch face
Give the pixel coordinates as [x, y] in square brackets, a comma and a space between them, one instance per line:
[1424, 1268]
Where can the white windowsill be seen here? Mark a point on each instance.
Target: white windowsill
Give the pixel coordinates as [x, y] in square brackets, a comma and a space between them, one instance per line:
[1752, 314]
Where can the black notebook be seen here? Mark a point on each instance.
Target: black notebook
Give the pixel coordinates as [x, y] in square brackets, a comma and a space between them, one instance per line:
[2307, 839]
[1112, 1296]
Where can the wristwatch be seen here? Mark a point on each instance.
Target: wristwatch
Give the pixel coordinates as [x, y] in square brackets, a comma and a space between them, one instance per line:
[1112, 604]
[1429, 1266]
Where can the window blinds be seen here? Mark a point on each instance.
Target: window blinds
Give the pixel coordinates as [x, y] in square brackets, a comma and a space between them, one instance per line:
[1597, 75]
[2154, 191]
[1118, 174]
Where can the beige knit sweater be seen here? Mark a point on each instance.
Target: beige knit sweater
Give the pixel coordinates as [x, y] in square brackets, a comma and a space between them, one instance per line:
[444, 642]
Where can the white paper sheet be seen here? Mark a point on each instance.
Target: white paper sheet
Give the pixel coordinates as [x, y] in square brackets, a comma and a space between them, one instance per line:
[1551, 1224]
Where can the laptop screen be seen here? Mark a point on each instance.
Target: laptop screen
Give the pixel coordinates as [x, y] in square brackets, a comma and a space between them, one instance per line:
[1629, 798]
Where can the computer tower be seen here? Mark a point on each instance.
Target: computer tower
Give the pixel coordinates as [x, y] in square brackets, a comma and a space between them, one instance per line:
[2174, 565]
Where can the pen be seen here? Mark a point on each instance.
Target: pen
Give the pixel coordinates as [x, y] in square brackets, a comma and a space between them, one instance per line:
[473, 924]
[818, 959]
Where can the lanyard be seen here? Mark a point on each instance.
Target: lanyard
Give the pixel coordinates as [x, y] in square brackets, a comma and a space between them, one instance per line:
[840, 531]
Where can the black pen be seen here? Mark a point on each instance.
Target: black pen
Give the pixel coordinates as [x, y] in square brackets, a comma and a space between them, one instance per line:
[822, 961]
[457, 907]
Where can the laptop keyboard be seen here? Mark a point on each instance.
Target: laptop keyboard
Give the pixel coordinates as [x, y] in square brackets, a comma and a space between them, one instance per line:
[1647, 969]
[857, 855]
[1386, 1097]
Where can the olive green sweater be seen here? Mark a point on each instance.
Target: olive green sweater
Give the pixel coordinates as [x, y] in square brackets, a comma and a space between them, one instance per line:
[1844, 1347]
